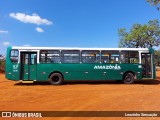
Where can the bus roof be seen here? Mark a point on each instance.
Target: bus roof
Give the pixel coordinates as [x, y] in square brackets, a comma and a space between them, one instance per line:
[76, 48]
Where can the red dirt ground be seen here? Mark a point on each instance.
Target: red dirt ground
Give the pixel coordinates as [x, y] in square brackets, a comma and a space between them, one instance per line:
[87, 96]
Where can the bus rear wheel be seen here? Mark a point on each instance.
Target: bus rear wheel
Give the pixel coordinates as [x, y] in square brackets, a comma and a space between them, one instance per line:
[128, 78]
[56, 79]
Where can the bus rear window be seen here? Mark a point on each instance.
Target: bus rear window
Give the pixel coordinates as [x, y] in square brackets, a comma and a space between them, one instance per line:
[14, 56]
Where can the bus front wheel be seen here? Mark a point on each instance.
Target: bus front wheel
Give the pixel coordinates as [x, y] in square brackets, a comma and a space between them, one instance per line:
[128, 78]
[56, 79]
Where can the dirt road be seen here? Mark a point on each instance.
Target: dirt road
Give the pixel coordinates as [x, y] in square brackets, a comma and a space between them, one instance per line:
[88, 96]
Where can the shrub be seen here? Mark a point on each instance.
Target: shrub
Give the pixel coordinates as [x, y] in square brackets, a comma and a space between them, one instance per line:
[2, 66]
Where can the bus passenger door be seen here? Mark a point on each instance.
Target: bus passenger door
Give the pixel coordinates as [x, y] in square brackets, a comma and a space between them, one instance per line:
[146, 65]
[28, 65]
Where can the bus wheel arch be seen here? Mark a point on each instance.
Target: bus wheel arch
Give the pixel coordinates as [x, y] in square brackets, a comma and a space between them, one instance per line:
[128, 77]
[56, 78]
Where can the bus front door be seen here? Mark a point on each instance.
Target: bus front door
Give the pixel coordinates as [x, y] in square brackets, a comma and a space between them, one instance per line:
[28, 65]
[146, 65]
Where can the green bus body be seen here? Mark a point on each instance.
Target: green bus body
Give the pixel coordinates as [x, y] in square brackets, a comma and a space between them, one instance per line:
[72, 71]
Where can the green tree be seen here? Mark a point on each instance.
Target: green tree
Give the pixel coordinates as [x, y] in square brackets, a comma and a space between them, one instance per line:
[154, 3]
[140, 36]
[157, 57]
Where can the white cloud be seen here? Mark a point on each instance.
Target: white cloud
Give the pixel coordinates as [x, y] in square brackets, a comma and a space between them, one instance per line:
[6, 43]
[34, 18]
[39, 29]
[3, 32]
[26, 45]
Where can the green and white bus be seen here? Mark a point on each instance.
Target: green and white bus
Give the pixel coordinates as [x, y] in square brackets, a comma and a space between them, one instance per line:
[58, 64]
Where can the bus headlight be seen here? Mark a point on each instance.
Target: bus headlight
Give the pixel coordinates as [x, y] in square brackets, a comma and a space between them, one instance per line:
[139, 66]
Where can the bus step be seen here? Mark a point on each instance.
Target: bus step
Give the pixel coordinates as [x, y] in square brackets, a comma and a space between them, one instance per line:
[22, 81]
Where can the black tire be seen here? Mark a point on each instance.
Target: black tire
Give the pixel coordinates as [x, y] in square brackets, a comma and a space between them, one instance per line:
[56, 79]
[128, 78]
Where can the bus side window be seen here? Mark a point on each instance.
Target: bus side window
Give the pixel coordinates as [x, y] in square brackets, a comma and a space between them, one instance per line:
[90, 56]
[129, 57]
[108, 56]
[105, 58]
[14, 56]
[70, 56]
[49, 56]
[122, 57]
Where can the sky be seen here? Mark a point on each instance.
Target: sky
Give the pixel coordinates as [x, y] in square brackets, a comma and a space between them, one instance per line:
[69, 23]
